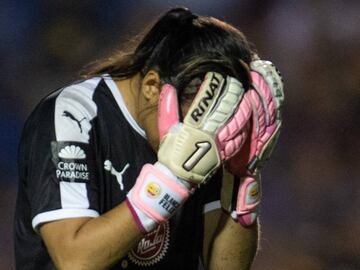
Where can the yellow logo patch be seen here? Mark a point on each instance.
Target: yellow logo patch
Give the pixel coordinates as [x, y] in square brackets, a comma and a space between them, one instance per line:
[254, 191]
[153, 190]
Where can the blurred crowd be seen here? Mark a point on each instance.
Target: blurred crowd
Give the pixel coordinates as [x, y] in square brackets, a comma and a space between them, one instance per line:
[311, 188]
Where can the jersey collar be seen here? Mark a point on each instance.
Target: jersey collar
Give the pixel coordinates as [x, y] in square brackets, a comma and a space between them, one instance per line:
[121, 103]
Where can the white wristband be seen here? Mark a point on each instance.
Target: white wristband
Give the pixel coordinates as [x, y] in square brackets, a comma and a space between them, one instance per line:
[156, 196]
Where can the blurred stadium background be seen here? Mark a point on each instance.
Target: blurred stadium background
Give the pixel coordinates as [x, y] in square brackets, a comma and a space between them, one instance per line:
[311, 188]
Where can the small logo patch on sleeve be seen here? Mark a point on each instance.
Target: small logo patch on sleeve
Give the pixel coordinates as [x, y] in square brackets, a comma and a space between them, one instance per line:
[71, 161]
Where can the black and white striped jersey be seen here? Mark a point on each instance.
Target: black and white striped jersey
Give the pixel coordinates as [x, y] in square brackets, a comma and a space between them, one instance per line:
[80, 153]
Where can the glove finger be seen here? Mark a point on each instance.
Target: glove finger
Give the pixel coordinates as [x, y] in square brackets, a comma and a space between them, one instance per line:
[168, 110]
[274, 80]
[270, 126]
[266, 97]
[226, 108]
[233, 146]
[265, 119]
[236, 124]
[215, 103]
[268, 148]
[206, 98]
[258, 123]
[236, 165]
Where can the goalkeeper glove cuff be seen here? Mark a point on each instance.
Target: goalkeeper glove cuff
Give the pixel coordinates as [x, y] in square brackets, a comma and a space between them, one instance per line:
[156, 195]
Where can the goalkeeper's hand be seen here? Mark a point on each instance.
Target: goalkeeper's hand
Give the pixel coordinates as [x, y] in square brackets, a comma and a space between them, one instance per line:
[192, 151]
[266, 97]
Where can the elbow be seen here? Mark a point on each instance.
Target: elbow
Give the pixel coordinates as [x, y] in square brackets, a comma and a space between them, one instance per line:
[66, 250]
[73, 260]
[74, 257]
[70, 254]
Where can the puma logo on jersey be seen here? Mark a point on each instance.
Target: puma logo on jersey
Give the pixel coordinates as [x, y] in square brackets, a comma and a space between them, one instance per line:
[119, 175]
[72, 117]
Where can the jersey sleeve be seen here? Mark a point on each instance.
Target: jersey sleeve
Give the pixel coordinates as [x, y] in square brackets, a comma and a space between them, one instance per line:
[61, 179]
[213, 192]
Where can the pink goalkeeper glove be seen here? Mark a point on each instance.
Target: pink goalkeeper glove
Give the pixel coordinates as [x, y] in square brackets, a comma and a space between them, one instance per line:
[266, 98]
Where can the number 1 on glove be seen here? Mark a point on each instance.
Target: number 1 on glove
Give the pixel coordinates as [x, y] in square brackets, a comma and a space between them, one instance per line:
[189, 152]
[192, 149]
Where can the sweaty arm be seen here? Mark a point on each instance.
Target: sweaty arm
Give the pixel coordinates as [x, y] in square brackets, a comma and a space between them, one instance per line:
[91, 243]
[233, 246]
[227, 245]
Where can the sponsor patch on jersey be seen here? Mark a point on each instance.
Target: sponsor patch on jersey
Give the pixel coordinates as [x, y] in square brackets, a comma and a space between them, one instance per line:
[71, 161]
[72, 152]
[153, 247]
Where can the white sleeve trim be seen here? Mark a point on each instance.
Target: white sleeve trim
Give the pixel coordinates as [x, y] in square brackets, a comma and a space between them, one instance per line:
[212, 206]
[77, 102]
[61, 214]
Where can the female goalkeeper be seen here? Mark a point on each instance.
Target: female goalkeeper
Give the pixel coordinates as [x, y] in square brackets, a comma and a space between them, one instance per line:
[123, 169]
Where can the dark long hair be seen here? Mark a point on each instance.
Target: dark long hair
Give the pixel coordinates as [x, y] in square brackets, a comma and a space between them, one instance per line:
[181, 47]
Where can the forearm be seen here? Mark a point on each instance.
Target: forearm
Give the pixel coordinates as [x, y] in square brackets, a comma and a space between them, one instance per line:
[234, 247]
[98, 243]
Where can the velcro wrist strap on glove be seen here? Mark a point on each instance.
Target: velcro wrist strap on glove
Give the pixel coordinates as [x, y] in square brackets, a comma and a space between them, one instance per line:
[156, 196]
[241, 197]
[248, 199]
